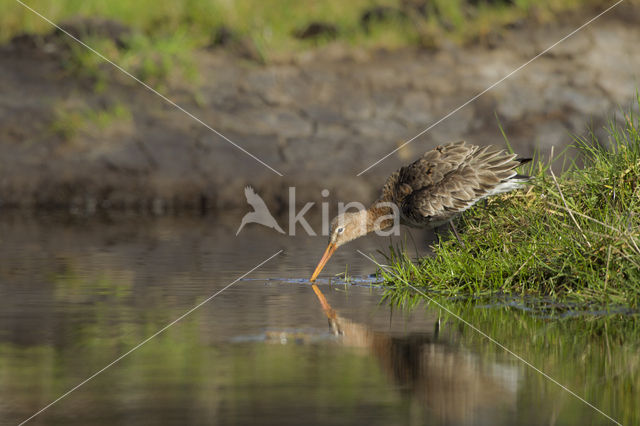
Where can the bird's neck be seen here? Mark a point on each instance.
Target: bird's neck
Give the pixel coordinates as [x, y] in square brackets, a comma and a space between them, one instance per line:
[380, 216]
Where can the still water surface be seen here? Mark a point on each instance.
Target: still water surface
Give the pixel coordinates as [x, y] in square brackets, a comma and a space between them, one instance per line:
[76, 294]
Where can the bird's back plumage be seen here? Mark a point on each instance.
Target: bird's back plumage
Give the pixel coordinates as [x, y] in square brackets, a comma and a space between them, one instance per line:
[449, 179]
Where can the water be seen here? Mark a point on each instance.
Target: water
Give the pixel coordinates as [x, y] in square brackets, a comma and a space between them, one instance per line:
[76, 294]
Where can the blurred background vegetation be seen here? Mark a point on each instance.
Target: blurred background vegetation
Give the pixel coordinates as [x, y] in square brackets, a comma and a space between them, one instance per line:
[278, 27]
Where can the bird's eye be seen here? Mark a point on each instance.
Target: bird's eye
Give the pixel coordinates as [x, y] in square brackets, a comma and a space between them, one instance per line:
[340, 230]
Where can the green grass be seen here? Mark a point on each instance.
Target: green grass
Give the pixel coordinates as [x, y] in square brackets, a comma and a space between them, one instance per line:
[572, 237]
[69, 122]
[165, 36]
[270, 25]
[153, 60]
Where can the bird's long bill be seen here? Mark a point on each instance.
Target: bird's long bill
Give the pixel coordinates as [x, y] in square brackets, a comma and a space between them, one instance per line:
[325, 257]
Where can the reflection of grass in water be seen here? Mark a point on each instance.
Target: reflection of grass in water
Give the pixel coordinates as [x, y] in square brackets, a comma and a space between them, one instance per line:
[596, 357]
[270, 24]
[177, 368]
[576, 238]
[71, 286]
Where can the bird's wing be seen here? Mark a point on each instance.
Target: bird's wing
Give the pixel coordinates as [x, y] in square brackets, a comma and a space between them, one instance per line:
[254, 199]
[450, 179]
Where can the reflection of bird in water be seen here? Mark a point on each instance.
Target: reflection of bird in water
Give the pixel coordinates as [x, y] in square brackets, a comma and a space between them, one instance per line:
[451, 384]
[260, 213]
[431, 191]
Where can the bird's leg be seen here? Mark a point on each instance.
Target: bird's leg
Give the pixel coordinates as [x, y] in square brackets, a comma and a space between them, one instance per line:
[455, 232]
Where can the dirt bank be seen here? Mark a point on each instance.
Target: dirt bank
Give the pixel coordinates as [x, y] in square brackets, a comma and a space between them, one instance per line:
[319, 118]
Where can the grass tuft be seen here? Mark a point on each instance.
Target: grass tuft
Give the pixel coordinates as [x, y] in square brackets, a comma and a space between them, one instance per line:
[575, 236]
[71, 121]
[151, 59]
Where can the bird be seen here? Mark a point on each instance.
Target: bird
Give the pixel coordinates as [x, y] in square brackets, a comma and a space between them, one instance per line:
[431, 191]
[260, 213]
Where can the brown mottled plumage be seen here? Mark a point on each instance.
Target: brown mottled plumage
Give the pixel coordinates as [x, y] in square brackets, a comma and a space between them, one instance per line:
[448, 180]
[431, 191]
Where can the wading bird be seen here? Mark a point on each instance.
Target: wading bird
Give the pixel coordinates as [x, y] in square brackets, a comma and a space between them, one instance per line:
[431, 191]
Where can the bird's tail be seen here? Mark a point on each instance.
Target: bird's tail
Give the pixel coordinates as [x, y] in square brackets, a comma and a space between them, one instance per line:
[520, 177]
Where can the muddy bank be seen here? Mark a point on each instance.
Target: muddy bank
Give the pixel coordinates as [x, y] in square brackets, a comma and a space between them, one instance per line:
[319, 119]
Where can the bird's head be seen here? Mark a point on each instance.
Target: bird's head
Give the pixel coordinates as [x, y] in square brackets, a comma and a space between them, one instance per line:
[344, 228]
[347, 227]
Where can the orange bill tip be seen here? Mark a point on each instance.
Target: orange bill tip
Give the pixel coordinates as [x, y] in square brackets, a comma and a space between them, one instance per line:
[325, 257]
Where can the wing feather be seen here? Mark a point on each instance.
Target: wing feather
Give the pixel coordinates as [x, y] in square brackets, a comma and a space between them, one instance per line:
[448, 179]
